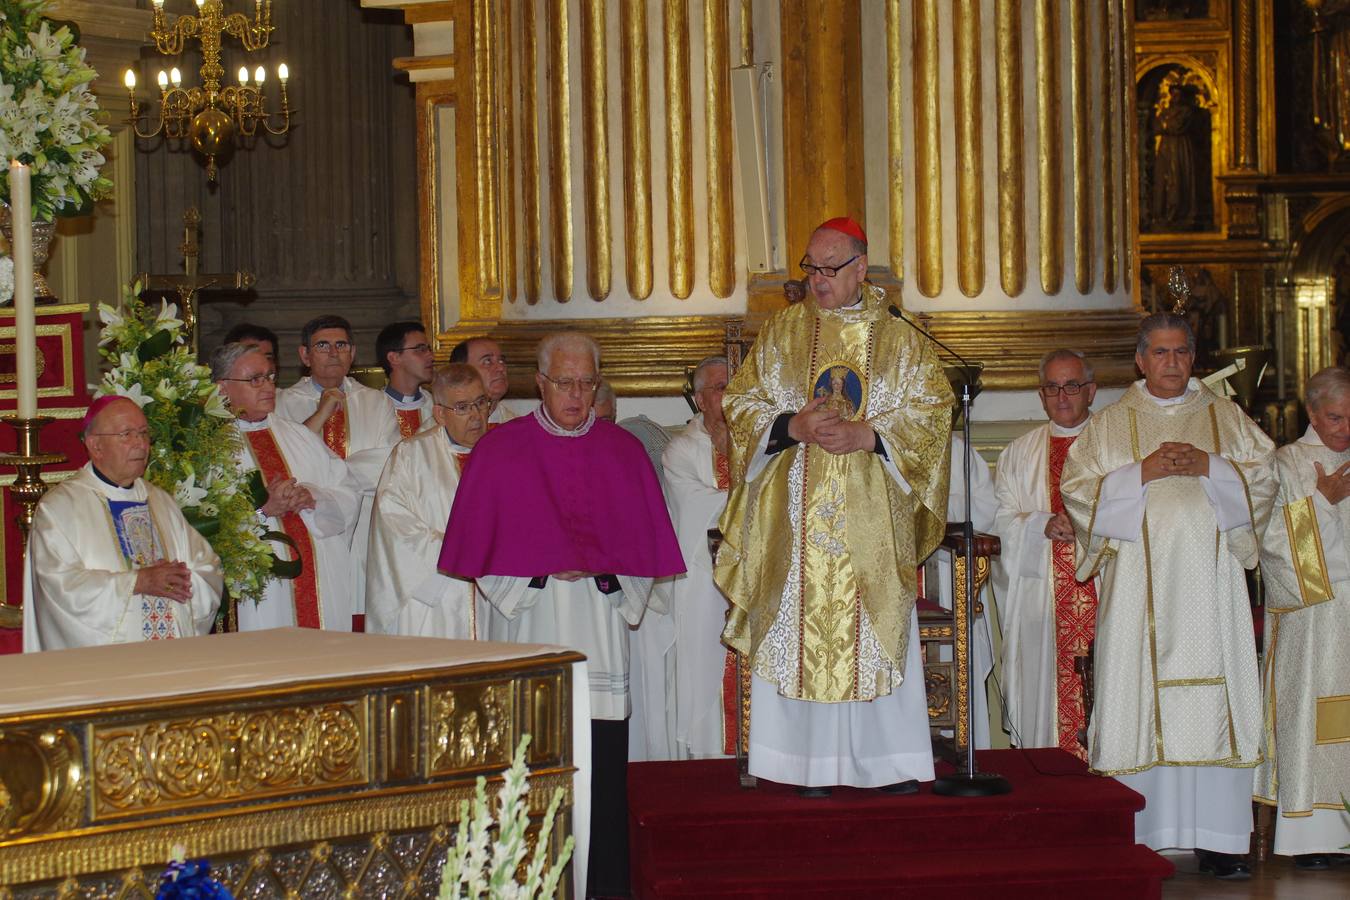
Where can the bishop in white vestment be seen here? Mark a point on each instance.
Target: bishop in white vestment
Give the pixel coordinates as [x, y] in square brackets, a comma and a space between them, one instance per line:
[407, 594]
[1306, 563]
[110, 557]
[697, 478]
[1048, 615]
[356, 422]
[1168, 489]
[312, 498]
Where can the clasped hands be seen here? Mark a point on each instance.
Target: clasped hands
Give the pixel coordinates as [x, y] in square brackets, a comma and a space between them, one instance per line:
[824, 426]
[1059, 528]
[1173, 458]
[286, 495]
[165, 579]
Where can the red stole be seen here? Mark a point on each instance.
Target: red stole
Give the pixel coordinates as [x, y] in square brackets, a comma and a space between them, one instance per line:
[730, 708]
[409, 421]
[1075, 616]
[335, 432]
[305, 586]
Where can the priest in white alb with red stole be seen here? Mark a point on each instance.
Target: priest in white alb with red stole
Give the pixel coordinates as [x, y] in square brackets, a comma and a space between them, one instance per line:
[697, 479]
[405, 355]
[1305, 561]
[110, 558]
[1048, 615]
[840, 424]
[407, 594]
[312, 498]
[356, 422]
[1168, 489]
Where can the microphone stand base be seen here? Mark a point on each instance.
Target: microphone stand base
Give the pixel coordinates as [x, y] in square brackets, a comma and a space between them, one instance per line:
[980, 784]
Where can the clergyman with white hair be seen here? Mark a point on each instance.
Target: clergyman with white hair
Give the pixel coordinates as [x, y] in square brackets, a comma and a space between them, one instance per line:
[1306, 566]
[560, 519]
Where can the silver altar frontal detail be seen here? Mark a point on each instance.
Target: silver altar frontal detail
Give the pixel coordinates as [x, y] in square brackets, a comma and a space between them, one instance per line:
[300, 763]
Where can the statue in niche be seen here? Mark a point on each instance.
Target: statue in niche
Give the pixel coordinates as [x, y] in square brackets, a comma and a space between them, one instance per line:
[1205, 308]
[1330, 76]
[1340, 274]
[1160, 10]
[1175, 115]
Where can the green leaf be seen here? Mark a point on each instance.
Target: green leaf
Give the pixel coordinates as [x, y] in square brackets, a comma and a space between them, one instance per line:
[207, 526]
[155, 346]
[189, 414]
[257, 491]
[284, 568]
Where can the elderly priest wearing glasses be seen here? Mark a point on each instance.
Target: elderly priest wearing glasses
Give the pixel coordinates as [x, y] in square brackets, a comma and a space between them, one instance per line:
[1049, 616]
[110, 557]
[561, 519]
[311, 498]
[412, 505]
[840, 424]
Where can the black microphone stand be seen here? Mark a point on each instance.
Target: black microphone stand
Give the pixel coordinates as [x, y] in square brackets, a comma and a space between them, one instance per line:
[969, 783]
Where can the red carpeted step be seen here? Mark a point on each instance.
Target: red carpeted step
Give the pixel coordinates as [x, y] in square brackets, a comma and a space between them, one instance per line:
[697, 807]
[1104, 874]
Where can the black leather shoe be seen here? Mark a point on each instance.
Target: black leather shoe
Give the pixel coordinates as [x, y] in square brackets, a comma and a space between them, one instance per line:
[814, 793]
[901, 787]
[1225, 866]
[1312, 862]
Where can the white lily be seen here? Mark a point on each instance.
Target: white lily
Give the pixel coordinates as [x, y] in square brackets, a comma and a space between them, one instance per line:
[135, 394]
[215, 406]
[186, 492]
[168, 316]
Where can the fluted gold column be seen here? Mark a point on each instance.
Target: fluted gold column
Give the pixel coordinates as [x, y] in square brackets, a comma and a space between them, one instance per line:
[717, 115]
[1109, 105]
[1049, 139]
[1082, 152]
[927, 149]
[531, 250]
[506, 114]
[1012, 244]
[486, 173]
[637, 156]
[1244, 39]
[969, 149]
[822, 103]
[595, 131]
[560, 155]
[895, 136]
[679, 148]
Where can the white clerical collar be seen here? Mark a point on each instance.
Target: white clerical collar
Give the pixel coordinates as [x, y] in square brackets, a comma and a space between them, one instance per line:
[455, 446]
[546, 422]
[1191, 387]
[398, 397]
[110, 488]
[1074, 431]
[1312, 438]
[261, 425]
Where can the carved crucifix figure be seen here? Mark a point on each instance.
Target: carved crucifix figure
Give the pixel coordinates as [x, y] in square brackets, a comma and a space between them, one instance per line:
[191, 282]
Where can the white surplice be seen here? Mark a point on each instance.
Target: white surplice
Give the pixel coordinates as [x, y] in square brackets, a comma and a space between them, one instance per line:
[576, 615]
[1026, 587]
[1306, 565]
[372, 430]
[1175, 659]
[79, 585]
[336, 501]
[405, 592]
[506, 410]
[697, 606]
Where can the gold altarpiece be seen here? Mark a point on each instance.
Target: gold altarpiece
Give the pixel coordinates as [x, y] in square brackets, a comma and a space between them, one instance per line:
[581, 163]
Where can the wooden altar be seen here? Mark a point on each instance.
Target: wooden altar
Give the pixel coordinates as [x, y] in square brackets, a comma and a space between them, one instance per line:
[300, 763]
[63, 396]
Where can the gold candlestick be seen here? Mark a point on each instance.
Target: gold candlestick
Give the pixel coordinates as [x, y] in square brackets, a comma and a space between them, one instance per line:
[27, 489]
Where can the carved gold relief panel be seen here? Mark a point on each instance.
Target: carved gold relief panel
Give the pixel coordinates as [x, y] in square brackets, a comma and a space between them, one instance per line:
[213, 759]
[472, 726]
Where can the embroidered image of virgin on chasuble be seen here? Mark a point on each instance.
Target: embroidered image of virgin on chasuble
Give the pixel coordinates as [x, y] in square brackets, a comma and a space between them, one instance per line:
[820, 550]
[1175, 660]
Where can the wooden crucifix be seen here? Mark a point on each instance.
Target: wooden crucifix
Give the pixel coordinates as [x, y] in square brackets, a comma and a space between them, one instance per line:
[191, 282]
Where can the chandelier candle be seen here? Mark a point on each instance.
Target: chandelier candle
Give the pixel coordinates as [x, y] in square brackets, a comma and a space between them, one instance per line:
[25, 326]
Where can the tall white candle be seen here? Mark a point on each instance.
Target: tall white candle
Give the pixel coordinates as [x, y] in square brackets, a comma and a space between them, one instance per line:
[25, 325]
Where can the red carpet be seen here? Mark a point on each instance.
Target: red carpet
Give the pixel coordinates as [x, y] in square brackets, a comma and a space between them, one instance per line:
[696, 833]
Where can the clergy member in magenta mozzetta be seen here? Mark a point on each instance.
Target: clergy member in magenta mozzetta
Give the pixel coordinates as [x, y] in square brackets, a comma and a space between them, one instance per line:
[562, 522]
[111, 560]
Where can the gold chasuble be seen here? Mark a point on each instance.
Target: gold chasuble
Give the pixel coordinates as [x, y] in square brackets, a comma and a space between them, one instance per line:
[1175, 659]
[820, 550]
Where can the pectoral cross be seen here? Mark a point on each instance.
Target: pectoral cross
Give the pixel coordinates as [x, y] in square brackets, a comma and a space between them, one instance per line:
[191, 282]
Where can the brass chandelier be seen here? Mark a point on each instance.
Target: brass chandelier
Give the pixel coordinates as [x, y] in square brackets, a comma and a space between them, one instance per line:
[211, 117]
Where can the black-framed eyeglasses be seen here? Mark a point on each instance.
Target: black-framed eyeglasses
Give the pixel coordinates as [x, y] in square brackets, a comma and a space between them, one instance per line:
[567, 384]
[257, 380]
[415, 348]
[1069, 387]
[331, 346]
[827, 271]
[463, 407]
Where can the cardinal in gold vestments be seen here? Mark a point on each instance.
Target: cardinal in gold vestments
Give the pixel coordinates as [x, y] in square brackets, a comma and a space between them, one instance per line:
[827, 518]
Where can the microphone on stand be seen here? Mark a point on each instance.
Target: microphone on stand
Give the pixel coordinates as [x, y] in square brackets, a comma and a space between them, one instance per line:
[968, 783]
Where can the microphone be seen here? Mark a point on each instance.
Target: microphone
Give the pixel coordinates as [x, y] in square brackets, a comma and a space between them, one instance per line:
[971, 372]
